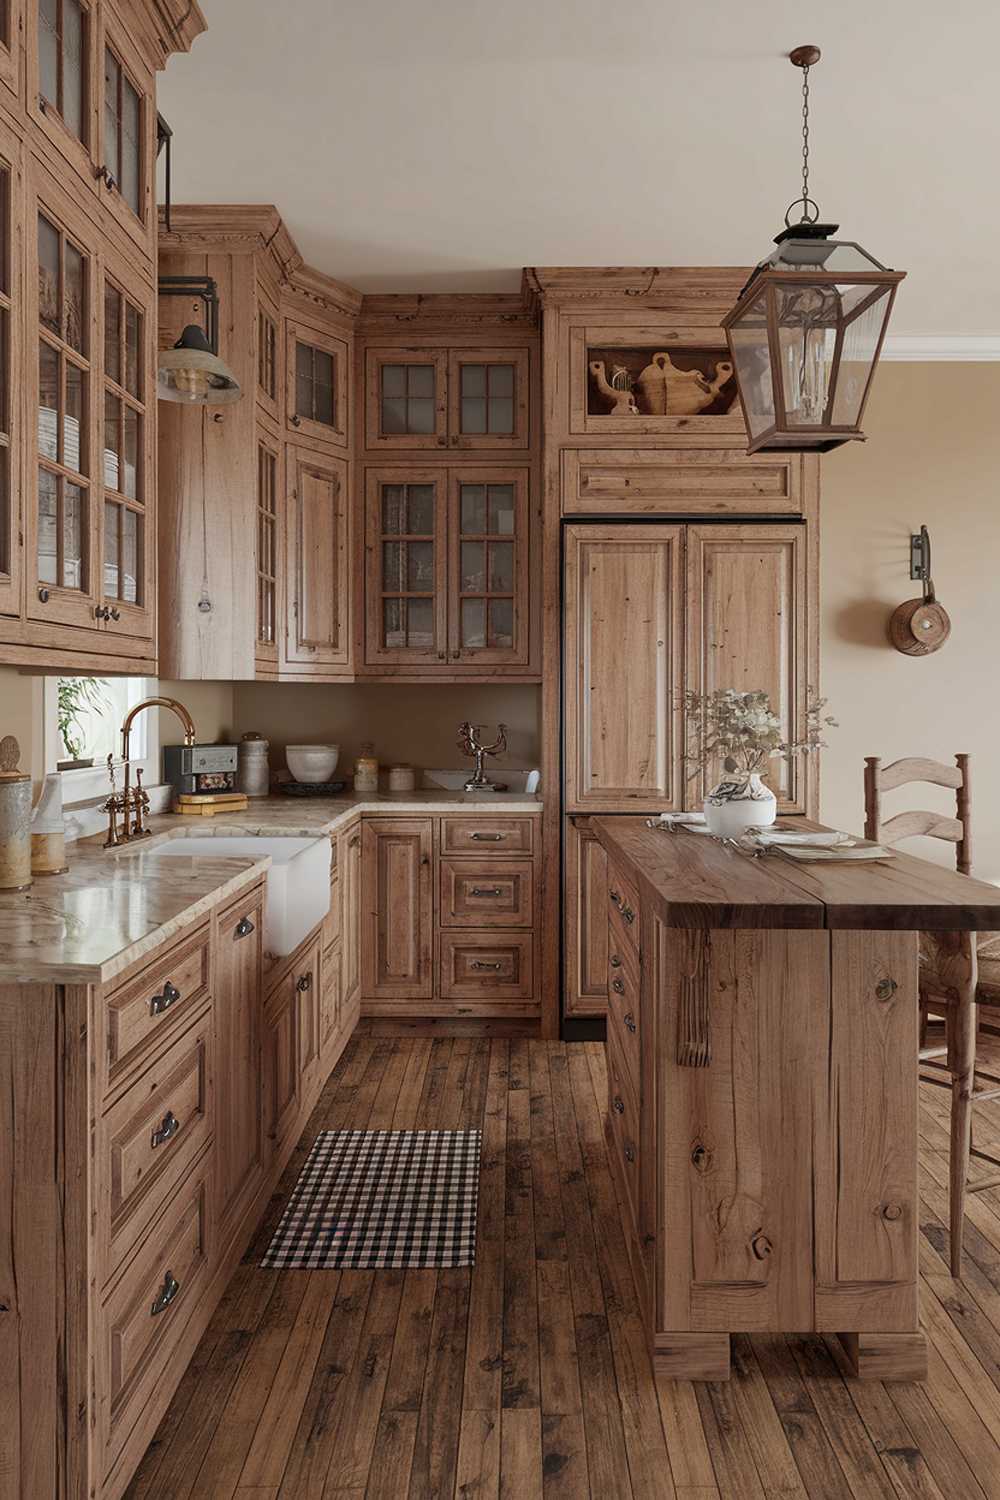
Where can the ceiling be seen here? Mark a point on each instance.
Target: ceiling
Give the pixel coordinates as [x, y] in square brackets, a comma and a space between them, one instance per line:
[442, 146]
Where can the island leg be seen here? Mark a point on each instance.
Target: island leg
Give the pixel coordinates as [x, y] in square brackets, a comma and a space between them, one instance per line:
[886, 1356]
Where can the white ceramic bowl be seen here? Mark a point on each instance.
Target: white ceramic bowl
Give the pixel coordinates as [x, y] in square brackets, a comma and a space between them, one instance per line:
[312, 763]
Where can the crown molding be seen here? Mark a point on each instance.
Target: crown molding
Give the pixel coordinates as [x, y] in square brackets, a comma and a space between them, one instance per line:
[932, 347]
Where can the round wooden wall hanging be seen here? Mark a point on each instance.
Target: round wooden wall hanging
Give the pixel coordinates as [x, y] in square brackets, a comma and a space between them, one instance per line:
[920, 626]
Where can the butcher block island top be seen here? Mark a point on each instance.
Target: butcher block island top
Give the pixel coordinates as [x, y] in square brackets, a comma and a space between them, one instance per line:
[762, 1038]
[692, 880]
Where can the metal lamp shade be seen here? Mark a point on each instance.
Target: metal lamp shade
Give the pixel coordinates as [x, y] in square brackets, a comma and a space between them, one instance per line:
[190, 373]
[805, 338]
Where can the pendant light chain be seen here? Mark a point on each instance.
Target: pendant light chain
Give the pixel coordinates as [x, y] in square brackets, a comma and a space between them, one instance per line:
[805, 140]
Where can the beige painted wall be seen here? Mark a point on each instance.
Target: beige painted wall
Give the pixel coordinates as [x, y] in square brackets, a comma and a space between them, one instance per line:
[416, 723]
[932, 457]
[21, 716]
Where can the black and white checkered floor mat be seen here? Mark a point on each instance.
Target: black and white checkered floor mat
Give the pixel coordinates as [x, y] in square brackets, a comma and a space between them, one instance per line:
[373, 1199]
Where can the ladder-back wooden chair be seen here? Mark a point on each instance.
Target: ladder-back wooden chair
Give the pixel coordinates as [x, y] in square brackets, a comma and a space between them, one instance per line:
[959, 972]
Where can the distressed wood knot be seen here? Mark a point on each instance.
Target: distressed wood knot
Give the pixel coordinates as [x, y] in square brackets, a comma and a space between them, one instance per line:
[701, 1158]
[885, 989]
[761, 1245]
[891, 1211]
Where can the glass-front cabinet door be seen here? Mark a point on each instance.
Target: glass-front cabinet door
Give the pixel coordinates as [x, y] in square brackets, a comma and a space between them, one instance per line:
[61, 37]
[406, 398]
[127, 552]
[406, 549]
[127, 142]
[10, 311]
[10, 29]
[488, 398]
[316, 385]
[266, 636]
[61, 522]
[488, 571]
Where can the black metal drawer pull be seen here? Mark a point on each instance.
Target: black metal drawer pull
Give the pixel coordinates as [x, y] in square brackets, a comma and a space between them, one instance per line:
[618, 1104]
[630, 1022]
[618, 986]
[479, 963]
[615, 961]
[244, 927]
[167, 1128]
[488, 838]
[168, 1291]
[486, 890]
[167, 997]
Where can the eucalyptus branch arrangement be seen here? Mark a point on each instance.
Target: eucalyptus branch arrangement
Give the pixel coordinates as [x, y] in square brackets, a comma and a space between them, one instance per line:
[744, 731]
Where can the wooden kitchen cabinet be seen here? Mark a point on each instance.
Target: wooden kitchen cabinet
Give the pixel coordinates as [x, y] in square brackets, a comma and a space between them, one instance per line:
[11, 21]
[317, 627]
[448, 568]
[406, 402]
[316, 385]
[397, 908]
[622, 664]
[349, 862]
[749, 611]
[291, 1044]
[585, 923]
[239, 1140]
[126, 132]
[469, 399]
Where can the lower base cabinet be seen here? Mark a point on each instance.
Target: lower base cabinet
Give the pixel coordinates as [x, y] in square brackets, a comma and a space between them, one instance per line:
[152, 1118]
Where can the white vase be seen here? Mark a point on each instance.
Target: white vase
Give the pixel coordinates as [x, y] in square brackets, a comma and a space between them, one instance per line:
[736, 805]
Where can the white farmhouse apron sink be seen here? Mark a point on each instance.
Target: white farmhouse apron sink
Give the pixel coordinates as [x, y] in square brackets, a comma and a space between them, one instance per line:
[297, 893]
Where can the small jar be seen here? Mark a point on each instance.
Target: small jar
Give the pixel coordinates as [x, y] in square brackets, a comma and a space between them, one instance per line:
[402, 779]
[253, 773]
[366, 769]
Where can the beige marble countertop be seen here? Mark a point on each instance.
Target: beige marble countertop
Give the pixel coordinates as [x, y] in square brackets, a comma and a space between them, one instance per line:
[114, 906]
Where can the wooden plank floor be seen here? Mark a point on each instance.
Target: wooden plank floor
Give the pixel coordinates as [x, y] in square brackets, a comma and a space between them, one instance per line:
[528, 1376]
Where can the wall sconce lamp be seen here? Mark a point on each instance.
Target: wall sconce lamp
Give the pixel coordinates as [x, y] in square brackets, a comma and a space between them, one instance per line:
[192, 372]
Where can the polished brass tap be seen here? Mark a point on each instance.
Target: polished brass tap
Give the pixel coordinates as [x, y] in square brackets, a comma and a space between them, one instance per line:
[133, 802]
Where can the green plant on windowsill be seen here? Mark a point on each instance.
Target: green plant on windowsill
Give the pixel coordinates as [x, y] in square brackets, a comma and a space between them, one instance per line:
[74, 696]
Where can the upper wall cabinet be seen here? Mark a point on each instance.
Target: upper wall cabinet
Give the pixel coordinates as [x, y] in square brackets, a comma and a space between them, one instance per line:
[316, 384]
[10, 52]
[63, 46]
[430, 398]
[11, 298]
[126, 153]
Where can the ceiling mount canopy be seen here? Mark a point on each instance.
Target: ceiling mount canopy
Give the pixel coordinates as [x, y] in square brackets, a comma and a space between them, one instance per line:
[807, 330]
[192, 372]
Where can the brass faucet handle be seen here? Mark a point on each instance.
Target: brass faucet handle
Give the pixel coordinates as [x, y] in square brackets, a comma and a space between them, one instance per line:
[111, 771]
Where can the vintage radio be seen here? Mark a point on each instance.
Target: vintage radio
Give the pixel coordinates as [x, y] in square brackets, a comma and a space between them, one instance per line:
[199, 769]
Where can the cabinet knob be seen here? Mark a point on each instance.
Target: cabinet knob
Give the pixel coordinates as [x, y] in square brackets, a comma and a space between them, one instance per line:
[617, 986]
[100, 612]
[630, 1022]
[167, 997]
[295, 420]
[618, 1104]
[43, 596]
[168, 1291]
[303, 983]
[244, 927]
[168, 1128]
[615, 961]
[116, 614]
[629, 1153]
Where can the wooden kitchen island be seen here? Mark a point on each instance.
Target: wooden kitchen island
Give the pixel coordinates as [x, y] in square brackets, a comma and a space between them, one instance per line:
[762, 1115]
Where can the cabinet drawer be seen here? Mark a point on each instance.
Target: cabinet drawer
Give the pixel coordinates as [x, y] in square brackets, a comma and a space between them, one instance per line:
[148, 1139]
[139, 1327]
[142, 1010]
[500, 835]
[623, 910]
[623, 1131]
[485, 966]
[624, 1018]
[487, 893]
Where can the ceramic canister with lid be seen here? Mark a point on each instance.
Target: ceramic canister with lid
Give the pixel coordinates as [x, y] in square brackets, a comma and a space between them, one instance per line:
[366, 769]
[15, 819]
[253, 771]
[402, 779]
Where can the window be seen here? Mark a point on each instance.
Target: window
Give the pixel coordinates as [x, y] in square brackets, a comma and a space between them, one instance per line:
[314, 395]
[267, 342]
[487, 399]
[62, 51]
[63, 385]
[83, 720]
[267, 526]
[123, 448]
[123, 132]
[407, 399]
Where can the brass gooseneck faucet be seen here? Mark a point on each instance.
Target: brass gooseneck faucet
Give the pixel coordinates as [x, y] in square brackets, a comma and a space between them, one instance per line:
[133, 802]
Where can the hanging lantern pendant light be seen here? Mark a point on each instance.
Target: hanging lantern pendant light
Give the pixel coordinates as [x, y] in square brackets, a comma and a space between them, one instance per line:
[807, 331]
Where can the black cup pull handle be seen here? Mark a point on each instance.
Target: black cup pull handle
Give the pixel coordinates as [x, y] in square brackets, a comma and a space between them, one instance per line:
[168, 996]
[244, 927]
[168, 1291]
[168, 1128]
[630, 1022]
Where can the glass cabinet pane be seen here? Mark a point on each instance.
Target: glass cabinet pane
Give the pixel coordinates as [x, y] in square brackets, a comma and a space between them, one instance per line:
[113, 334]
[62, 64]
[48, 527]
[407, 399]
[122, 466]
[267, 561]
[267, 339]
[112, 112]
[48, 401]
[49, 288]
[501, 509]
[486, 402]
[131, 147]
[407, 561]
[72, 557]
[72, 434]
[74, 308]
[315, 372]
[501, 568]
[488, 563]
[133, 348]
[420, 509]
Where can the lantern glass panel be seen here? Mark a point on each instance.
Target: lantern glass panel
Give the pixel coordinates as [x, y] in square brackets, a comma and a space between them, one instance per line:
[748, 341]
[807, 318]
[861, 341]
